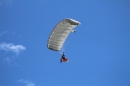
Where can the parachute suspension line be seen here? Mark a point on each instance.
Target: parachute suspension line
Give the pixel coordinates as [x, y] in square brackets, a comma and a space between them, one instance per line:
[64, 45]
[63, 48]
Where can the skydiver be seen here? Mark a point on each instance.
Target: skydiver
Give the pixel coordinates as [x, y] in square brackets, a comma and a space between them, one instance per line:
[63, 58]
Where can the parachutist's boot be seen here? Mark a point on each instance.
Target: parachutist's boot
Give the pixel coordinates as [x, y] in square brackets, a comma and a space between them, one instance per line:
[60, 60]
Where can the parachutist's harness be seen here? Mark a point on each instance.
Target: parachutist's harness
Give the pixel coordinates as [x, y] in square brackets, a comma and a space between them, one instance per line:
[63, 57]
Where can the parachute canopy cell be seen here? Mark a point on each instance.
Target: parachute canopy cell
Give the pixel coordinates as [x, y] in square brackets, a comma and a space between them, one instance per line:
[60, 33]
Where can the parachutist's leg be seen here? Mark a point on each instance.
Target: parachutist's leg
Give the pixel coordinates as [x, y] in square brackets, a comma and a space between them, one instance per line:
[60, 60]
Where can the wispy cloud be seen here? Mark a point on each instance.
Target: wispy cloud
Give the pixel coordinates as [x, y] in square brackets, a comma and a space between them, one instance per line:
[6, 2]
[4, 32]
[11, 47]
[8, 60]
[26, 82]
[0, 3]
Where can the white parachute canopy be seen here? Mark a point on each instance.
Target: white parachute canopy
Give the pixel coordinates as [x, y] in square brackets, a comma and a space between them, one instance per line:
[60, 33]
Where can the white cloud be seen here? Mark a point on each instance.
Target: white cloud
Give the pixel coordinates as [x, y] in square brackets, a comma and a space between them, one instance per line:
[11, 47]
[26, 82]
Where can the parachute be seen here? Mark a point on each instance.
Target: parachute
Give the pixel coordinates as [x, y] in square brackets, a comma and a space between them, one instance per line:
[60, 33]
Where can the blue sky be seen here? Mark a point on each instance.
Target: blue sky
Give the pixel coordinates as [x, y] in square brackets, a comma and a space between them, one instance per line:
[99, 52]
